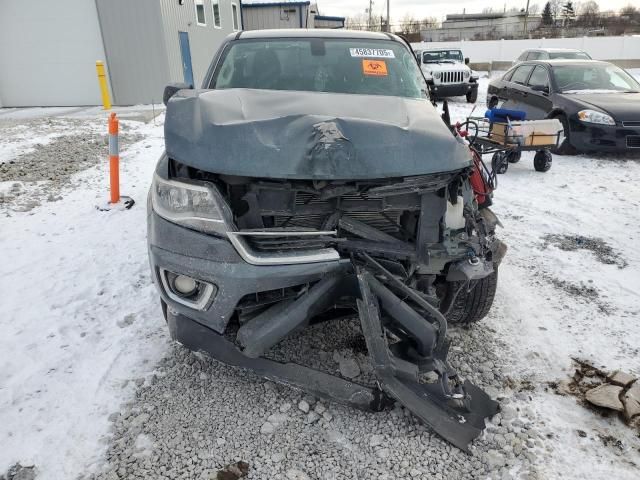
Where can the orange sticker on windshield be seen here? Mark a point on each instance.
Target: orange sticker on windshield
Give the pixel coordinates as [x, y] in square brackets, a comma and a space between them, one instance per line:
[377, 68]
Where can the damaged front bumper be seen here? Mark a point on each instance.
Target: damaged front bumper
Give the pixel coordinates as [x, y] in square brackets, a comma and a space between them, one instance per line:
[295, 250]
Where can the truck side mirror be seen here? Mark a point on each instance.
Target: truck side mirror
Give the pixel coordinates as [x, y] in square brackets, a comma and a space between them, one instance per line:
[466, 60]
[171, 89]
[419, 58]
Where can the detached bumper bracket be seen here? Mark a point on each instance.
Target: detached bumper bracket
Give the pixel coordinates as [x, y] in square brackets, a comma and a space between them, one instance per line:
[454, 410]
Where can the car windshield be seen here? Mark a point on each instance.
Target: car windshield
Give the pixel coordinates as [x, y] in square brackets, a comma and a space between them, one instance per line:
[368, 67]
[569, 55]
[593, 78]
[442, 56]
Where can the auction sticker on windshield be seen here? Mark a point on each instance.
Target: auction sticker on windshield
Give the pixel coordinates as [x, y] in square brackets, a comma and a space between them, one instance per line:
[377, 68]
[372, 52]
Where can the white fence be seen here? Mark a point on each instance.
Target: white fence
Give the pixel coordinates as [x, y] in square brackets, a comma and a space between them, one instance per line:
[600, 48]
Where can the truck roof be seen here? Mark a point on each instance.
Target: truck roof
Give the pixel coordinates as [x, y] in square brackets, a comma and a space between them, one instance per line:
[314, 33]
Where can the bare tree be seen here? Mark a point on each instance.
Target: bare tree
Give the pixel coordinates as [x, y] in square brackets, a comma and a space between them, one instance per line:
[556, 8]
[409, 24]
[359, 21]
[429, 22]
[589, 13]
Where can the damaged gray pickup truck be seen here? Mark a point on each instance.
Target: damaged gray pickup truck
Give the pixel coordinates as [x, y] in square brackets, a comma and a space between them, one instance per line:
[309, 176]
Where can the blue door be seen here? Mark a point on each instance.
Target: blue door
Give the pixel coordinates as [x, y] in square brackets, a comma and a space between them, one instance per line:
[185, 52]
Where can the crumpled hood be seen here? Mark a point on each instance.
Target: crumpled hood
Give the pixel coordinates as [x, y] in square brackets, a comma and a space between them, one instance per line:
[309, 135]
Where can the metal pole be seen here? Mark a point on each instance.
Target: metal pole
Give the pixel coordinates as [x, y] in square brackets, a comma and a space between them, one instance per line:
[388, 24]
[104, 89]
[370, 7]
[526, 16]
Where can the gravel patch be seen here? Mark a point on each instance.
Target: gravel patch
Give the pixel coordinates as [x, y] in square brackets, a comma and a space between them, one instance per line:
[45, 168]
[198, 416]
[602, 251]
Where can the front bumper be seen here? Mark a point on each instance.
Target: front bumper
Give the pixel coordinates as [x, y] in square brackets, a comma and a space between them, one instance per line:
[214, 260]
[455, 90]
[604, 138]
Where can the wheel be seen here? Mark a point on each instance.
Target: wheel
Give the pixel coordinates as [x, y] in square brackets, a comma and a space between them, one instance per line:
[542, 160]
[472, 96]
[514, 157]
[565, 148]
[471, 304]
[499, 163]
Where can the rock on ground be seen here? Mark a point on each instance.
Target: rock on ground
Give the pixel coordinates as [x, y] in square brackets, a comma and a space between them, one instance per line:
[631, 400]
[607, 396]
[621, 379]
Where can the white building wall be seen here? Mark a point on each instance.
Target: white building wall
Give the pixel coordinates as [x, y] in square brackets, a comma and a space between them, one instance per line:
[48, 53]
[204, 40]
[600, 48]
[276, 16]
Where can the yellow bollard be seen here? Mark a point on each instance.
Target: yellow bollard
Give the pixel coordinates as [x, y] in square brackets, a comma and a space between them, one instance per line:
[104, 90]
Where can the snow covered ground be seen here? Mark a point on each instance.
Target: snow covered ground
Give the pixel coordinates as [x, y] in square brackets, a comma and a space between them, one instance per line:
[79, 313]
[82, 329]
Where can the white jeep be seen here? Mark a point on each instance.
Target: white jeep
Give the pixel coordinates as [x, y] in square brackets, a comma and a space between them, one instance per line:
[447, 73]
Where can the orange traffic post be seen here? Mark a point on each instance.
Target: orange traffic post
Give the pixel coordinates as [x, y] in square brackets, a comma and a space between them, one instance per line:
[114, 159]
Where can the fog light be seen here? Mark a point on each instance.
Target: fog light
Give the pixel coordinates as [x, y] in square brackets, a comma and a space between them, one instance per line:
[188, 291]
[185, 285]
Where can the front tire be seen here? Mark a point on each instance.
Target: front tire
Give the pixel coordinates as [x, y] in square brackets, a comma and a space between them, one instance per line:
[472, 304]
[472, 96]
[565, 148]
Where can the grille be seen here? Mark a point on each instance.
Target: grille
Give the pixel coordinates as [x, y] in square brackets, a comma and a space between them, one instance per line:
[355, 206]
[634, 123]
[452, 77]
[633, 141]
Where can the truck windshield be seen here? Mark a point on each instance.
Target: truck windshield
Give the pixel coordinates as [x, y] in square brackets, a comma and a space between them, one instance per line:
[369, 67]
[440, 56]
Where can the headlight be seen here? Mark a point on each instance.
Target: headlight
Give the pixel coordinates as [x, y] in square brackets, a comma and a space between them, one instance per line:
[194, 205]
[437, 75]
[592, 116]
[467, 74]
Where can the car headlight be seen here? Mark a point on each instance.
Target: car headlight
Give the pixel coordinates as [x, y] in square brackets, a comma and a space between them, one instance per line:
[593, 116]
[467, 74]
[437, 75]
[198, 206]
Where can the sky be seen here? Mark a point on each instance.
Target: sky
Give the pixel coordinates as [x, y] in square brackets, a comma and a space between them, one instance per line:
[438, 8]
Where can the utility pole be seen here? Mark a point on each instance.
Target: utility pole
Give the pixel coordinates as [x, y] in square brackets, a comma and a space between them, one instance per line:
[526, 16]
[370, 8]
[388, 24]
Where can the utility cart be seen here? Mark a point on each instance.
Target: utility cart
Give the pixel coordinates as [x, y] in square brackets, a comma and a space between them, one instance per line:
[506, 139]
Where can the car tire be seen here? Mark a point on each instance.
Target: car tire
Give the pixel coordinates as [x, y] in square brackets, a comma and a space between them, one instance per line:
[565, 148]
[472, 96]
[499, 163]
[472, 304]
[542, 161]
[514, 157]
